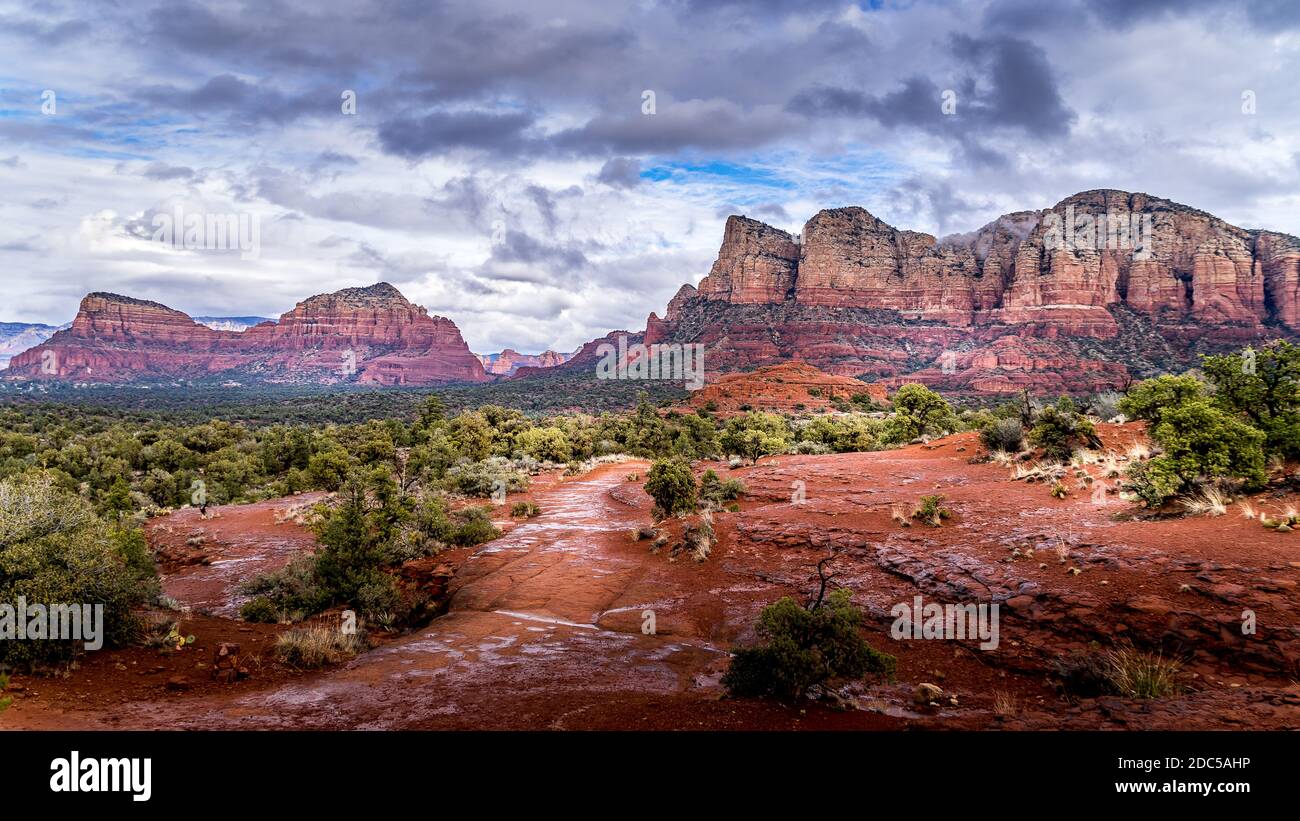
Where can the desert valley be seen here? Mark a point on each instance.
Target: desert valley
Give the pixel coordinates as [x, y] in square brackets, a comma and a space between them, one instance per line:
[405, 564]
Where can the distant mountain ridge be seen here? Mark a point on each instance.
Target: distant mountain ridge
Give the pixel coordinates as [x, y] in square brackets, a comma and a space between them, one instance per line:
[231, 323]
[369, 335]
[509, 361]
[1039, 300]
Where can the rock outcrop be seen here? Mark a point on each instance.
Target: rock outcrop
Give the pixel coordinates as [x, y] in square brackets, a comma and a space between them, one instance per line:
[1103, 287]
[368, 335]
[793, 387]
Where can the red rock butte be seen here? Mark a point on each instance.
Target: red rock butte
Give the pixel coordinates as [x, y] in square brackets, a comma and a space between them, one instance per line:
[371, 335]
[997, 310]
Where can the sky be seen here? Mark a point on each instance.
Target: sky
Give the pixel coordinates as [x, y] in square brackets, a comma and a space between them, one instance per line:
[543, 172]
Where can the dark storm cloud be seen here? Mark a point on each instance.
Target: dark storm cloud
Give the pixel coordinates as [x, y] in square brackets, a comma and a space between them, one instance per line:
[1011, 87]
[242, 102]
[718, 125]
[163, 171]
[1260, 13]
[518, 246]
[50, 33]
[1015, 88]
[1024, 15]
[620, 172]
[440, 131]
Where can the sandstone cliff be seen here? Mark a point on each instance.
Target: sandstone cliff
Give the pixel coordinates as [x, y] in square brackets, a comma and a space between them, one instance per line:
[1104, 286]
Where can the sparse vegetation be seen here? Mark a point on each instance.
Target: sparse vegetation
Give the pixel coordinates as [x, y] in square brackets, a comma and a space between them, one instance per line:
[671, 484]
[918, 412]
[1003, 435]
[1139, 674]
[311, 647]
[1208, 502]
[525, 510]
[715, 492]
[1122, 670]
[931, 511]
[54, 548]
[803, 647]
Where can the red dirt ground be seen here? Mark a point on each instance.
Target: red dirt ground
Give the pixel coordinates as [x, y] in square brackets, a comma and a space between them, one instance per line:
[544, 625]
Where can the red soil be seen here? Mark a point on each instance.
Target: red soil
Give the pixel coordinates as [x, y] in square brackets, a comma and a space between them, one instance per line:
[544, 626]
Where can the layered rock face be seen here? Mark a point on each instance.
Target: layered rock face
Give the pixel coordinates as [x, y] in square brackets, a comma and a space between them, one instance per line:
[1104, 286]
[757, 263]
[370, 335]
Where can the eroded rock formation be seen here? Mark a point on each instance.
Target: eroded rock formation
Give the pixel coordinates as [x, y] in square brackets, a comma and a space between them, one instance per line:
[1104, 286]
[371, 335]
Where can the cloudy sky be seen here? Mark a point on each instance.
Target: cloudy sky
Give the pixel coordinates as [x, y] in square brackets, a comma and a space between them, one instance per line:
[543, 171]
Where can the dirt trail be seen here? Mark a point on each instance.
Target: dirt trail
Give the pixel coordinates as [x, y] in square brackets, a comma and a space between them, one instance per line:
[551, 609]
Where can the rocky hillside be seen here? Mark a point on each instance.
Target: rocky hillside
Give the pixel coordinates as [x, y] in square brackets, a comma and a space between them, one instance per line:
[793, 387]
[1024, 302]
[368, 335]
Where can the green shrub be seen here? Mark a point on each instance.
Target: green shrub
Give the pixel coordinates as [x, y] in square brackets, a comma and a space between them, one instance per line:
[1060, 430]
[671, 484]
[294, 592]
[844, 434]
[931, 511]
[754, 435]
[1199, 441]
[55, 550]
[474, 526]
[804, 647]
[918, 412]
[716, 492]
[259, 610]
[1262, 387]
[525, 510]
[1003, 434]
[545, 444]
[481, 479]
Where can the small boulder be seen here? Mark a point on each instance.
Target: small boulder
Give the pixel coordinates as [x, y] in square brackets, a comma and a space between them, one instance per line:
[926, 693]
